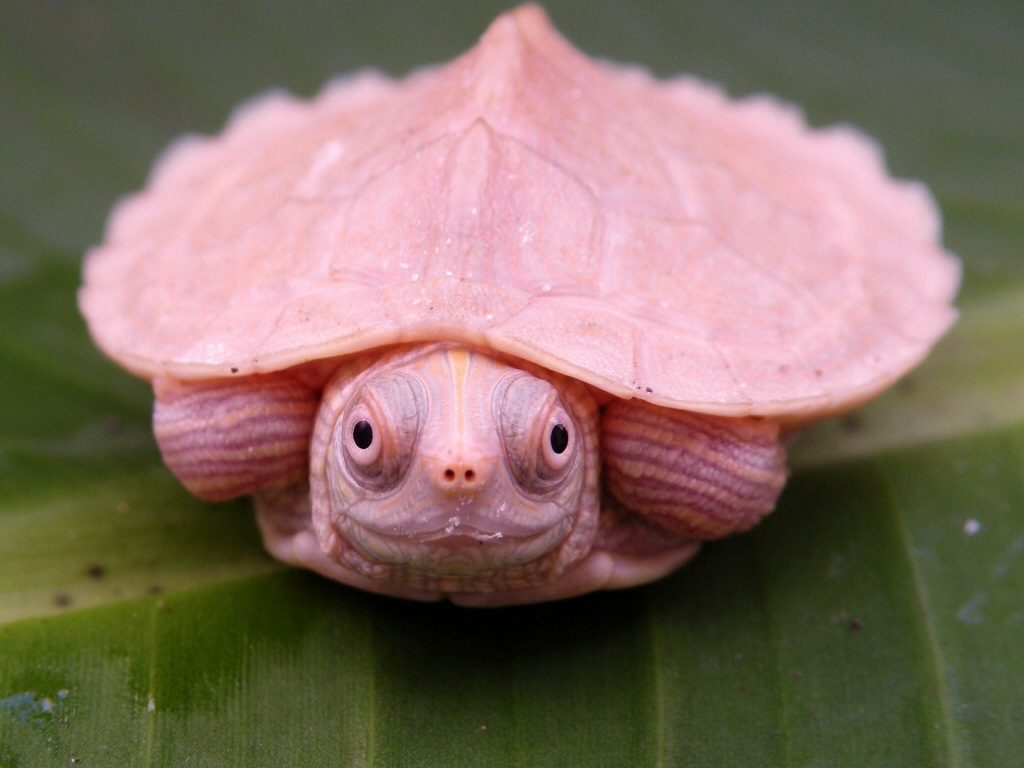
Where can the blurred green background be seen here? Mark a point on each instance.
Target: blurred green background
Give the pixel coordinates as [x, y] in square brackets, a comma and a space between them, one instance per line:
[876, 619]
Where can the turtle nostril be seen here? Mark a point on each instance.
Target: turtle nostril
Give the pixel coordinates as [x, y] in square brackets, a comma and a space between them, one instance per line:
[466, 477]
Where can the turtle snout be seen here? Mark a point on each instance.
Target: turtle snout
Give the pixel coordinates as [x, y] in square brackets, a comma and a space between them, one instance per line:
[462, 475]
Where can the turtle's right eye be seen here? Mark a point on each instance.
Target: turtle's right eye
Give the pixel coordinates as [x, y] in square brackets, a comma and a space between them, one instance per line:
[377, 435]
[362, 434]
[361, 444]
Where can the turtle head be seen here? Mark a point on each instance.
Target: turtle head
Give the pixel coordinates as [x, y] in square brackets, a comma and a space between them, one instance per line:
[441, 465]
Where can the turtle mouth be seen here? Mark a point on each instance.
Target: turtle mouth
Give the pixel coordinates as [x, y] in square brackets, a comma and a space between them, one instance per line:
[454, 548]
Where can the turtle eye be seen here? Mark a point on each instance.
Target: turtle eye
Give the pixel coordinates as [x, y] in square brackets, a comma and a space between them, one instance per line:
[537, 432]
[362, 434]
[361, 444]
[559, 438]
[556, 451]
[377, 435]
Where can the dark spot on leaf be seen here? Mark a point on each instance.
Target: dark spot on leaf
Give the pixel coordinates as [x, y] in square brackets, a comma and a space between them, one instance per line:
[155, 589]
[96, 571]
[648, 390]
[798, 675]
[112, 425]
[62, 600]
[855, 625]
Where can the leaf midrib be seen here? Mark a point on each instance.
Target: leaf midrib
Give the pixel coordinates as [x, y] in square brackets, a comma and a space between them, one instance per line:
[936, 662]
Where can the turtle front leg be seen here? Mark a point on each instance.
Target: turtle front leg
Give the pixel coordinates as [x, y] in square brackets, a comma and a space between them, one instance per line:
[228, 438]
[696, 475]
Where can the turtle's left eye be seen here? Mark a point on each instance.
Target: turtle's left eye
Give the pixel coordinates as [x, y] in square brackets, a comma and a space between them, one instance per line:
[559, 438]
[557, 449]
[537, 432]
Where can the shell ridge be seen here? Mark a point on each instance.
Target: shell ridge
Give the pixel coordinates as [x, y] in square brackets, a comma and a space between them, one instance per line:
[787, 287]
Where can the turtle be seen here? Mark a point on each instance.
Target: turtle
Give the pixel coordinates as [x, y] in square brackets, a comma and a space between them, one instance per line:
[517, 327]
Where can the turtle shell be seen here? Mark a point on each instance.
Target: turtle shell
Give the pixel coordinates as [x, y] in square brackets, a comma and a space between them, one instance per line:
[654, 239]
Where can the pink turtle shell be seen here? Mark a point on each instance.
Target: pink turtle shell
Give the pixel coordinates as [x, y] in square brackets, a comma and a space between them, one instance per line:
[652, 238]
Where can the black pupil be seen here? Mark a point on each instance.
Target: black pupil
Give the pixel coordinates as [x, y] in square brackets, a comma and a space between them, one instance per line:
[559, 438]
[362, 433]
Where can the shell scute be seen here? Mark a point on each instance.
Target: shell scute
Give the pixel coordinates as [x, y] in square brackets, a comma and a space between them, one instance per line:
[476, 216]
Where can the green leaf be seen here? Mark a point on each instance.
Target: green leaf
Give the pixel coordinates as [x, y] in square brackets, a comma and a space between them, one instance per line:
[876, 619]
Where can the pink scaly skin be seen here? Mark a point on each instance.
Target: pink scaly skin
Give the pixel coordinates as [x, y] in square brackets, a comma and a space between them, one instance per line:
[437, 471]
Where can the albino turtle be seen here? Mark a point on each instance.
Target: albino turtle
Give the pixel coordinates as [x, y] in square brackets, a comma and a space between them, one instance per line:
[515, 328]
